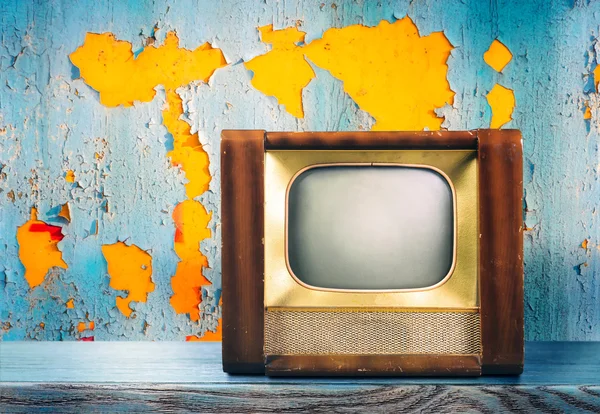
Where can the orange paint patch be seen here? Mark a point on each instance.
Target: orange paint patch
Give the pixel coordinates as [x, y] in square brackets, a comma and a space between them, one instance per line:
[130, 269]
[108, 66]
[82, 326]
[283, 72]
[187, 151]
[389, 70]
[191, 221]
[70, 304]
[70, 176]
[42, 325]
[38, 249]
[596, 73]
[65, 212]
[208, 336]
[584, 244]
[497, 56]
[502, 102]
[587, 113]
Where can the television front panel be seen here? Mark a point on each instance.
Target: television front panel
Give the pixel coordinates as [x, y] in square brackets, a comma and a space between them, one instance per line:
[372, 253]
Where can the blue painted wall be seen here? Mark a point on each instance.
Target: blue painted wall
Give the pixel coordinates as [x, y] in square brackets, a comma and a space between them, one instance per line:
[51, 120]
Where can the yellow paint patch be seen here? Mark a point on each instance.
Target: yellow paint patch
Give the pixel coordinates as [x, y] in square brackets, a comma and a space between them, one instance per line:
[70, 176]
[502, 102]
[38, 249]
[65, 212]
[108, 66]
[389, 70]
[187, 151]
[70, 304]
[597, 77]
[191, 220]
[497, 56]
[130, 269]
[283, 72]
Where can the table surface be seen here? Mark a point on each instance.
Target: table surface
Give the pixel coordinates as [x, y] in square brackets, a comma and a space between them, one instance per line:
[182, 376]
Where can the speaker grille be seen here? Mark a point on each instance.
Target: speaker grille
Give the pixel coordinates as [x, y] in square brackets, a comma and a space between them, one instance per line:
[354, 331]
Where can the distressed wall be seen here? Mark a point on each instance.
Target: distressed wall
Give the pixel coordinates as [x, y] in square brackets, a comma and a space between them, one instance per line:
[110, 115]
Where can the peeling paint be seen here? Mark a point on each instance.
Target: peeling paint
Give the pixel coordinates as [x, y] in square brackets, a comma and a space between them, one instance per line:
[65, 212]
[209, 336]
[70, 176]
[130, 270]
[283, 72]
[191, 220]
[502, 102]
[497, 56]
[124, 171]
[83, 326]
[410, 70]
[38, 249]
[108, 66]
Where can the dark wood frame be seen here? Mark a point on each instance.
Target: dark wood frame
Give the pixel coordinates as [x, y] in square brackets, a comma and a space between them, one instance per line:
[500, 163]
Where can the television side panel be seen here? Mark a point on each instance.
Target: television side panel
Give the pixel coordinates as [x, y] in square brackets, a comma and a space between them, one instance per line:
[242, 227]
[501, 250]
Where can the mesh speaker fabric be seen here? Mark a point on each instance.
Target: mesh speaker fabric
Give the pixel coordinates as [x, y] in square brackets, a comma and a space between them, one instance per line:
[378, 332]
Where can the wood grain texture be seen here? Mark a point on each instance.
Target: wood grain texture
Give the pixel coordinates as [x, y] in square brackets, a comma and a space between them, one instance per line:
[372, 140]
[373, 365]
[242, 223]
[501, 250]
[246, 398]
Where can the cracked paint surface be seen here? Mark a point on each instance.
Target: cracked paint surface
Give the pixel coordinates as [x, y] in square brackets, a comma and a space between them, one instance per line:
[134, 153]
[109, 66]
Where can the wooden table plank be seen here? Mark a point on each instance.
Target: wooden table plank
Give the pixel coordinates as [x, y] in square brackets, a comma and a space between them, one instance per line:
[546, 363]
[241, 398]
[163, 376]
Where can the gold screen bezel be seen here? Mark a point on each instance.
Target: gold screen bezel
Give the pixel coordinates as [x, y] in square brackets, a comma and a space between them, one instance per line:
[459, 290]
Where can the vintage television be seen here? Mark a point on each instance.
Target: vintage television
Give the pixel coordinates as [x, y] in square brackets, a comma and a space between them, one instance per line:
[372, 253]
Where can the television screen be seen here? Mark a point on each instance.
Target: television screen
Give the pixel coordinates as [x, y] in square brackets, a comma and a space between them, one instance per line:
[370, 227]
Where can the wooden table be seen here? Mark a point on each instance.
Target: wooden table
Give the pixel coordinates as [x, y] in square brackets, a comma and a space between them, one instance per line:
[187, 376]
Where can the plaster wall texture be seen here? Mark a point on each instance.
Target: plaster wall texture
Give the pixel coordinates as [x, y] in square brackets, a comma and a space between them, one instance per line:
[109, 145]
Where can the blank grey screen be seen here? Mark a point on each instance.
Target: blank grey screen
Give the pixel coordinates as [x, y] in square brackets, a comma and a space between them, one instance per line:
[370, 227]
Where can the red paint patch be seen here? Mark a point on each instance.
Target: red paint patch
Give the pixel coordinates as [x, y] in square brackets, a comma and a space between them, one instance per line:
[87, 339]
[55, 231]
